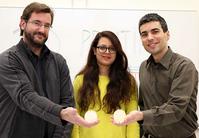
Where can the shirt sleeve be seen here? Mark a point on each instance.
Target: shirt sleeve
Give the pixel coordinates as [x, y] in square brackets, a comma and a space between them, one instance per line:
[182, 88]
[16, 82]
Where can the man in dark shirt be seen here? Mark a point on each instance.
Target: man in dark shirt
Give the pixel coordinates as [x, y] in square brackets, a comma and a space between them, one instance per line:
[36, 93]
[168, 86]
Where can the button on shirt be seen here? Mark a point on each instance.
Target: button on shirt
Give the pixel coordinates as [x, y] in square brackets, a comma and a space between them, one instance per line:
[167, 96]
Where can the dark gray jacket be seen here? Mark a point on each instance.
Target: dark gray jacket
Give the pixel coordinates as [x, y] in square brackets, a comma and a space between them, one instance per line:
[20, 90]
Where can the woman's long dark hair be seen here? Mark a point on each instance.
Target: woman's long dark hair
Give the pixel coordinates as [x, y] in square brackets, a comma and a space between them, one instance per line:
[119, 89]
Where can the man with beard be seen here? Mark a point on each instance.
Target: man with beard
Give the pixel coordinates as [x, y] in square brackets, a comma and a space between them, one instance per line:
[36, 94]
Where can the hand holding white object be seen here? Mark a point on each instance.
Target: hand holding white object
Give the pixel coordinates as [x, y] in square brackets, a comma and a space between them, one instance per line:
[91, 116]
[119, 116]
[70, 114]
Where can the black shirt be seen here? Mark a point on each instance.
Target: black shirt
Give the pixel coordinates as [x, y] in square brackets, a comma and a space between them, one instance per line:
[39, 63]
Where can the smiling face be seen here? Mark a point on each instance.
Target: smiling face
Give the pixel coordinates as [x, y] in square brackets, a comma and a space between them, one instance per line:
[36, 29]
[154, 39]
[106, 58]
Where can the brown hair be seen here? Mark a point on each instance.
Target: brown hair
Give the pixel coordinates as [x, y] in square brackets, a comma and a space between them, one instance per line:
[121, 84]
[38, 8]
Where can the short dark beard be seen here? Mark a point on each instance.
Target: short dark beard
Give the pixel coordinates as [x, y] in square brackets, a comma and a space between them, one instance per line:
[29, 38]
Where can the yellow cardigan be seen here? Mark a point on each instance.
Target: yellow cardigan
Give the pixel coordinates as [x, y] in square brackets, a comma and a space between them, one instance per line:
[105, 129]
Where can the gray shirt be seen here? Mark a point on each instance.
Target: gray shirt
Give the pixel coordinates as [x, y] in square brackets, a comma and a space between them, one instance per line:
[167, 96]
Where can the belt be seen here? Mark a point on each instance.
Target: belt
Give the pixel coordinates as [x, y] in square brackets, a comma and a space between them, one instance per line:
[146, 135]
[192, 136]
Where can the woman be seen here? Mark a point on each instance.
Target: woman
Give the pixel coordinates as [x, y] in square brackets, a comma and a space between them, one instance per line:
[105, 85]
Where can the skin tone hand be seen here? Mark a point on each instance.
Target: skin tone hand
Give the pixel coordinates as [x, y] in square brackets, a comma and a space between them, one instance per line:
[70, 114]
[132, 117]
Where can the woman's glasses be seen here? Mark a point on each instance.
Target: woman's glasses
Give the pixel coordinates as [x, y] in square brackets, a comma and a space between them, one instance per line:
[104, 49]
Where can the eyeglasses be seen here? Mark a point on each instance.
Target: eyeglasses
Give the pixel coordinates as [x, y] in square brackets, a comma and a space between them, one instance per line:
[103, 49]
[39, 24]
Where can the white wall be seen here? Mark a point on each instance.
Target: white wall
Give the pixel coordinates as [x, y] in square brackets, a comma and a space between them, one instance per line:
[173, 5]
[113, 4]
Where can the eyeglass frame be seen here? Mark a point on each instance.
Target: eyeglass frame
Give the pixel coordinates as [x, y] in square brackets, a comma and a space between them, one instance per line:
[40, 24]
[111, 50]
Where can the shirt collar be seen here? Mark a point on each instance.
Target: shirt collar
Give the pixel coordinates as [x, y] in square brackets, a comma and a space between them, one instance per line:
[44, 52]
[165, 61]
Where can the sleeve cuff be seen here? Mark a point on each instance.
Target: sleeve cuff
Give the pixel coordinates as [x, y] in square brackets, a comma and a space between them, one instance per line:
[148, 117]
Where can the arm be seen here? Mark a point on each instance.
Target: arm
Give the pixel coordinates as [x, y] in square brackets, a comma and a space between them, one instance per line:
[70, 114]
[182, 88]
[180, 99]
[15, 80]
[16, 83]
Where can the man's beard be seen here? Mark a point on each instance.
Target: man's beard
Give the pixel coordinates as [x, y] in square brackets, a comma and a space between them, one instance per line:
[32, 41]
